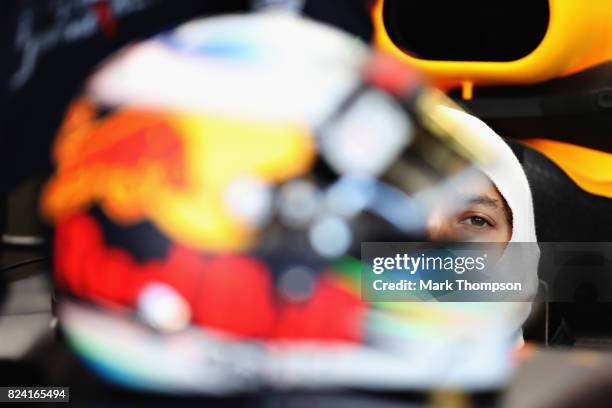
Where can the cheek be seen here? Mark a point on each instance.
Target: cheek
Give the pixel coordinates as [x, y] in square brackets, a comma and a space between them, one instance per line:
[500, 236]
[501, 233]
[507, 232]
[503, 230]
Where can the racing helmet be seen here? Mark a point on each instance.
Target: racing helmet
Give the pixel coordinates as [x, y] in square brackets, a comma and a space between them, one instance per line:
[212, 187]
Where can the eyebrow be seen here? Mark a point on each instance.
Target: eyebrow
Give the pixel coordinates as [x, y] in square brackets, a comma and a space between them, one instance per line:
[484, 200]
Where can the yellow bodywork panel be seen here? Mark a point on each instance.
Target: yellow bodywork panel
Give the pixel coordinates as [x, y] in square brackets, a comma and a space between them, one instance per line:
[579, 36]
[590, 169]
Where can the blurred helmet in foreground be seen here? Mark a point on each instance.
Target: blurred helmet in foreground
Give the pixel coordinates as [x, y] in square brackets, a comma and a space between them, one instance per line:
[212, 187]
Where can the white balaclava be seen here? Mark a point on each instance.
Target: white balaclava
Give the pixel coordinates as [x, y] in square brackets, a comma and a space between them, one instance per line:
[506, 173]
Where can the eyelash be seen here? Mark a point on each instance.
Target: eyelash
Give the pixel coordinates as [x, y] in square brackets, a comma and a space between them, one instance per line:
[487, 223]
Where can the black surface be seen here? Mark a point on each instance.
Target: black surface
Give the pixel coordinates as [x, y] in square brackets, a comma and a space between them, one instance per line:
[574, 109]
[566, 213]
[31, 108]
[563, 211]
[476, 30]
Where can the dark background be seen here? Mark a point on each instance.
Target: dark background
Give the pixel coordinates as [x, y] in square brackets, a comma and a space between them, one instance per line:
[31, 109]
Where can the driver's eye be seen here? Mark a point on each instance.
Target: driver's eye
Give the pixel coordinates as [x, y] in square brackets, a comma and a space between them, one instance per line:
[476, 221]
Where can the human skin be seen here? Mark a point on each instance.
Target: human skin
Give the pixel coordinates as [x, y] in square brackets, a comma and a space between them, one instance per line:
[485, 218]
